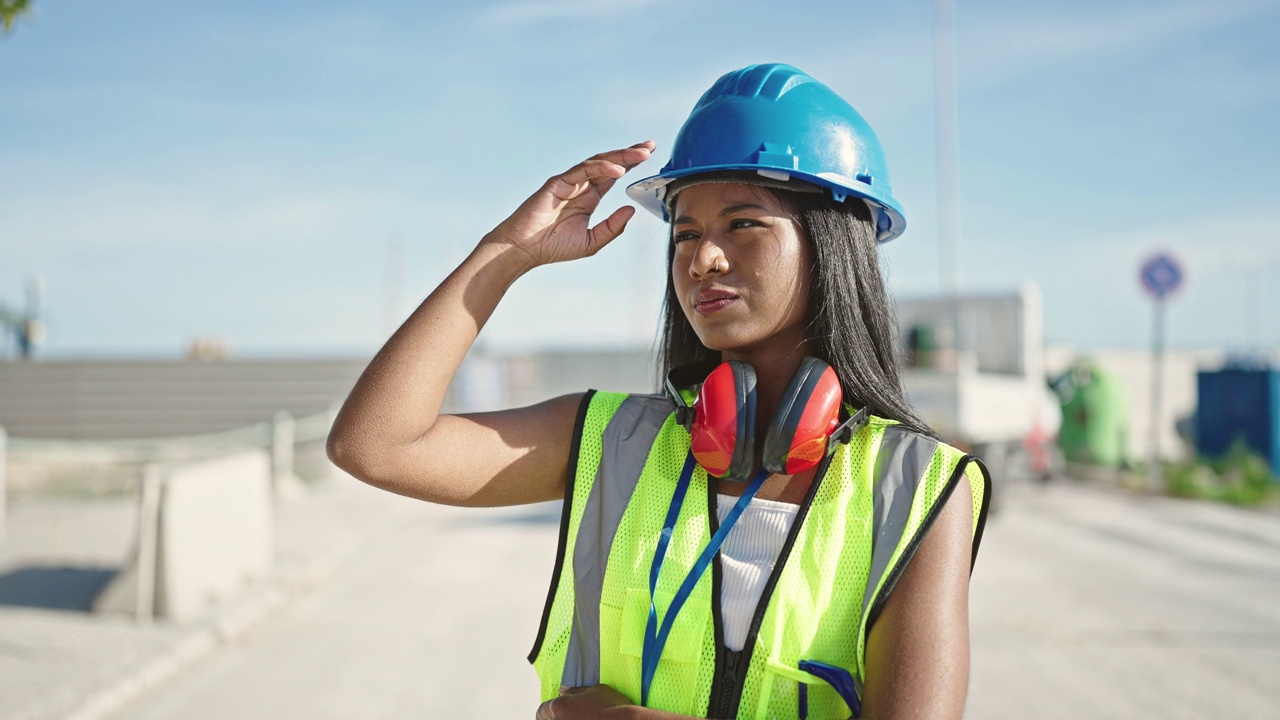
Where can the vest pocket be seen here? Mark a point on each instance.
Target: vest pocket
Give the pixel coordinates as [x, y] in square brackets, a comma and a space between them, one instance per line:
[780, 695]
[675, 684]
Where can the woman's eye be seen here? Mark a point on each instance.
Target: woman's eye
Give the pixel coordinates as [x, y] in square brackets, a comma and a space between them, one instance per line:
[682, 236]
[742, 223]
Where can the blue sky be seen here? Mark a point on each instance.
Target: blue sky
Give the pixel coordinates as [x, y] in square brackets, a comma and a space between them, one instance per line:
[293, 176]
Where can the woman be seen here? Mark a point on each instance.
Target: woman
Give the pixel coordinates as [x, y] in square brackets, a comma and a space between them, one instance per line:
[838, 577]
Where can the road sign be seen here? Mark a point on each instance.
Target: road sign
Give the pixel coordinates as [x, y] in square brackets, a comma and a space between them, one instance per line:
[1161, 275]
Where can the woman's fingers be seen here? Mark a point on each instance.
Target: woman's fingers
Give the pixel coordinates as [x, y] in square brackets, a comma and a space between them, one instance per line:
[637, 153]
[628, 158]
[551, 225]
[602, 170]
[573, 182]
[609, 228]
[632, 157]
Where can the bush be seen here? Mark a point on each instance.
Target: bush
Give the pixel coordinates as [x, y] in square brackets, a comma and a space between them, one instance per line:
[1240, 477]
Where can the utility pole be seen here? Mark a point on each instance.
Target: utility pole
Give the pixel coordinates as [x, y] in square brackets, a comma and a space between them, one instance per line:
[947, 139]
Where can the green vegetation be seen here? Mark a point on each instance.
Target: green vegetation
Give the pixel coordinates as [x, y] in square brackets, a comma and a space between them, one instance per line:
[1241, 477]
[11, 11]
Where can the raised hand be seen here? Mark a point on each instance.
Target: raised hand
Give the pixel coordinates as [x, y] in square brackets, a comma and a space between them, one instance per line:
[552, 225]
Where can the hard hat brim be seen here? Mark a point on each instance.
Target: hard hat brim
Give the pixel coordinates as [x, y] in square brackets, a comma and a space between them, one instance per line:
[650, 192]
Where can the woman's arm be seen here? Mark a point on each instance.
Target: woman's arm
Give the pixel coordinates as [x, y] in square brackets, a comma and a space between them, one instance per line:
[390, 432]
[918, 650]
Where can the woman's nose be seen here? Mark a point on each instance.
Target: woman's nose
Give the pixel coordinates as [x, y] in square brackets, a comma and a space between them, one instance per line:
[708, 259]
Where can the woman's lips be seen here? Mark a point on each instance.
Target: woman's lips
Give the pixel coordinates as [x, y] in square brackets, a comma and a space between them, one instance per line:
[715, 305]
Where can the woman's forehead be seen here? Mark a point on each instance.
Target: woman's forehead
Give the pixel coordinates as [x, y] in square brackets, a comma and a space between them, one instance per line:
[715, 196]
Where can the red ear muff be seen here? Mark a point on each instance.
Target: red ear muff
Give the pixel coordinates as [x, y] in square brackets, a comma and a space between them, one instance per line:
[808, 413]
[723, 432]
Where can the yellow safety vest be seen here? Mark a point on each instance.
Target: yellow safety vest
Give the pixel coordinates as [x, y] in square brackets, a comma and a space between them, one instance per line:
[866, 512]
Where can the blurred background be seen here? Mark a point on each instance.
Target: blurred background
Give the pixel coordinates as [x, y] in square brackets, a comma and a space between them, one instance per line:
[211, 216]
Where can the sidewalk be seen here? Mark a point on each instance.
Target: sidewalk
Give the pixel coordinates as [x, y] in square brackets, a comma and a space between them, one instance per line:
[57, 660]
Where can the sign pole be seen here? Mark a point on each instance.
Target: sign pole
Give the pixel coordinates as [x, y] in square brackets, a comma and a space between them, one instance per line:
[1155, 470]
[1161, 275]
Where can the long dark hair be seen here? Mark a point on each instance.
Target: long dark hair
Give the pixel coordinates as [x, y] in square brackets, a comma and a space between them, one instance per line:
[851, 324]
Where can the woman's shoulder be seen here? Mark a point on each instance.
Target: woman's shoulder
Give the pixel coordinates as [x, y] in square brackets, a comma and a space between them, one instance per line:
[624, 411]
[895, 433]
[617, 398]
[903, 451]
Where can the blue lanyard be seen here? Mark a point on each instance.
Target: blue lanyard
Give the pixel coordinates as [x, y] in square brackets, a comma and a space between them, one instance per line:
[655, 636]
[836, 677]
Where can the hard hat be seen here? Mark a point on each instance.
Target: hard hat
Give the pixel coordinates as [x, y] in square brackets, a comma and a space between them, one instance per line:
[785, 125]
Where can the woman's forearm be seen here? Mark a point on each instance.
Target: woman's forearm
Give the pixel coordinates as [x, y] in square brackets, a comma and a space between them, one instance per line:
[398, 397]
[390, 432]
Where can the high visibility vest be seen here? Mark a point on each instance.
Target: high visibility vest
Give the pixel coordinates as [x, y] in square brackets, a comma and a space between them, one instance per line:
[862, 520]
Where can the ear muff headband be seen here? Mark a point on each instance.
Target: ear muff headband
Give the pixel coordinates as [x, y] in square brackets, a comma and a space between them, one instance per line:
[809, 411]
[723, 431]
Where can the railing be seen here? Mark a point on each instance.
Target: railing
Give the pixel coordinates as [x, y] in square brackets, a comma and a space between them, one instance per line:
[280, 436]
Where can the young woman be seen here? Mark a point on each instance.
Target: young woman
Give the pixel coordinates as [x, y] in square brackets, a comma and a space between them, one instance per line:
[735, 558]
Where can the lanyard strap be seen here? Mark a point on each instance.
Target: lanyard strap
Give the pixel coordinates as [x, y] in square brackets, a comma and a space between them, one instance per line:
[838, 678]
[655, 636]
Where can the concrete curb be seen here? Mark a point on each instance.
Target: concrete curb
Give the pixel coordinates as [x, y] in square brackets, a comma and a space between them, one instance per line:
[229, 624]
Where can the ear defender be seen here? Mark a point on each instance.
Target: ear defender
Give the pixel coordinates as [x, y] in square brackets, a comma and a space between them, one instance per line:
[721, 421]
[723, 433]
[805, 420]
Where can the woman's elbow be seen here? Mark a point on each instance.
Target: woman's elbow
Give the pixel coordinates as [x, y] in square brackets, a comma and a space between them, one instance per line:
[352, 457]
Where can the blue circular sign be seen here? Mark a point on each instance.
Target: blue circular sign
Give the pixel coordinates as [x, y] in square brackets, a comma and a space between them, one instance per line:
[1161, 275]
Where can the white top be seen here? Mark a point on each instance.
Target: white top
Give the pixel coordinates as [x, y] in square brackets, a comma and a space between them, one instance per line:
[747, 558]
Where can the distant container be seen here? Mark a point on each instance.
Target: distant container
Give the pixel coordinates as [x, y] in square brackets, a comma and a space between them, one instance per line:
[1238, 403]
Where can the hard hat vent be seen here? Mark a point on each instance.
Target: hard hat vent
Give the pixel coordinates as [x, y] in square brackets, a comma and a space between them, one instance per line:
[765, 81]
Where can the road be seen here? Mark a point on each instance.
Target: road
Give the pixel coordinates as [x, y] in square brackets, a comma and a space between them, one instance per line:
[1090, 603]
[1086, 603]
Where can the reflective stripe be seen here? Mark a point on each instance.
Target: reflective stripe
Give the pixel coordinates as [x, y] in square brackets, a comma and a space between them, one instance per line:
[901, 461]
[627, 442]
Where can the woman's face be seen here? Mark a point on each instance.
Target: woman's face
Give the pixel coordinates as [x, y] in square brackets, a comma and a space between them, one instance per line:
[741, 269]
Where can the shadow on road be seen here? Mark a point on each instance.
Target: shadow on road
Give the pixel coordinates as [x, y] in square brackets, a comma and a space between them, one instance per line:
[54, 588]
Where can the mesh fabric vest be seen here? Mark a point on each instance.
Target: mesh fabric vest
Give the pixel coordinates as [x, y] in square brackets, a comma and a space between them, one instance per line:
[863, 518]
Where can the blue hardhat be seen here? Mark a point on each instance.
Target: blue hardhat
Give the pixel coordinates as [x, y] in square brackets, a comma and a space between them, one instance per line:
[784, 125]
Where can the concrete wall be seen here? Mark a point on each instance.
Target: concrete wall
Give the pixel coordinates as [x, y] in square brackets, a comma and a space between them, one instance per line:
[535, 377]
[138, 399]
[116, 400]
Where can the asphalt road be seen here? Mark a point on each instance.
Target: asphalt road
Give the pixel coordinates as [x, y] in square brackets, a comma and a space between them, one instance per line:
[1086, 603]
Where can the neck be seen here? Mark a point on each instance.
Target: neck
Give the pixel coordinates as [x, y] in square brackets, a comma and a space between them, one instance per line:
[773, 372]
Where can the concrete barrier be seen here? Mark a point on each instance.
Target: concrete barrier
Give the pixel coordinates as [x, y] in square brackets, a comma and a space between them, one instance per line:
[204, 533]
[4, 480]
[284, 481]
